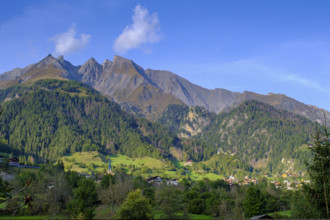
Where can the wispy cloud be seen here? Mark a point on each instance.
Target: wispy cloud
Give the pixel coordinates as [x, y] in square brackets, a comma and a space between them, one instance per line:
[305, 82]
[144, 30]
[66, 43]
[277, 74]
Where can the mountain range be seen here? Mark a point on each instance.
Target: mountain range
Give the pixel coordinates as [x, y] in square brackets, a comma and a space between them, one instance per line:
[147, 92]
[53, 108]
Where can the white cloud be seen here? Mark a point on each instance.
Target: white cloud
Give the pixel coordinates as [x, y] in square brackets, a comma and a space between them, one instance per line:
[144, 30]
[66, 43]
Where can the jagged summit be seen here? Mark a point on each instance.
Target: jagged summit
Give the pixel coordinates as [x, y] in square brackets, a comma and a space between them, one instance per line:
[118, 58]
[90, 72]
[91, 60]
[47, 60]
[60, 59]
[106, 64]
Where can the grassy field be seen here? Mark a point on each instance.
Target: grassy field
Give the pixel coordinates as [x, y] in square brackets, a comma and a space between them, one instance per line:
[143, 161]
[211, 176]
[84, 161]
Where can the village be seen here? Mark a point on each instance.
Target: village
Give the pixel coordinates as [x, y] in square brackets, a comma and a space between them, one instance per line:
[285, 181]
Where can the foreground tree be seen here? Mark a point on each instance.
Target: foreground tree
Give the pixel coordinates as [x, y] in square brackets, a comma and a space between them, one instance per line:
[319, 171]
[169, 201]
[84, 198]
[136, 206]
[255, 202]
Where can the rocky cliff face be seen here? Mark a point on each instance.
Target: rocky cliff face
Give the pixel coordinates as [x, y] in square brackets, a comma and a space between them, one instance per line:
[219, 100]
[148, 92]
[90, 72]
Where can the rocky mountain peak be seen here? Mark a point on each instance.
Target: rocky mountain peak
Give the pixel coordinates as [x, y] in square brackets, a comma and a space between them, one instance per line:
[106, 64]
[125, 81]
[90, 71]
[60, 59]
[119, 59]
[91, 60]
[121, 65]
[89, 64]
[49, 59]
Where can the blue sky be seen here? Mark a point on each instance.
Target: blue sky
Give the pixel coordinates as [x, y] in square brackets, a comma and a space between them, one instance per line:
[261, 46]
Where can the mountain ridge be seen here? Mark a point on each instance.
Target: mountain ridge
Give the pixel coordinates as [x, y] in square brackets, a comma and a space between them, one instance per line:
[129, 84]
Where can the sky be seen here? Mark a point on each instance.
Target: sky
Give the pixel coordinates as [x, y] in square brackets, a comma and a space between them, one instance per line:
[275, 46]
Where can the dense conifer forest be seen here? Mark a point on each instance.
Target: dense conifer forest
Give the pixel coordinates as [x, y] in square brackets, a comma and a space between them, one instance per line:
[52, 118]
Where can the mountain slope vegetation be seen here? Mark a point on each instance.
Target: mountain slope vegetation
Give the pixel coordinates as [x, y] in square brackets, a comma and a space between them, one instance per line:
[261, 135]
[50, 118]
[186, 121]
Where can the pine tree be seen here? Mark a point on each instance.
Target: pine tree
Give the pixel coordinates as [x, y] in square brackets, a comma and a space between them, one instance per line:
[136, 206]
[255, 202]
[319, 171]
[84, 198]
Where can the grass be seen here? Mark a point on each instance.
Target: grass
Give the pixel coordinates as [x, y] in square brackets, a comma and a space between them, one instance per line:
[4, 154]
[3, 205]
[142, 161]
[101, 161]
[211, 176]
[178, 164]
[196, 176]
[84, 162]
[78, 160]
[194, 216]
[159, 215]
[286, 213]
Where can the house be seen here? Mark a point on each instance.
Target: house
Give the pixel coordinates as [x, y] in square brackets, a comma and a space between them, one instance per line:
[254, 181]
[51, 185]
[156, 179]
[87, 175]
[174, 182]
[14, 161]
[287, 182]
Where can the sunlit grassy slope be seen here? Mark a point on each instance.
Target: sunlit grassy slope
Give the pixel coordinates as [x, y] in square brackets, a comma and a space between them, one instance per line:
[81, 161]
[85, 162]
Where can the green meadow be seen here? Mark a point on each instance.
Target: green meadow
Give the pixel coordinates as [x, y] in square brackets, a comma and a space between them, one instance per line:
[86, 162]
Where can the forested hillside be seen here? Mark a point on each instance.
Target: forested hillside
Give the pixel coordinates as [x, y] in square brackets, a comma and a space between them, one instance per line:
[50, 118]
[47, 119]
[263, 136]
[186, 121]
